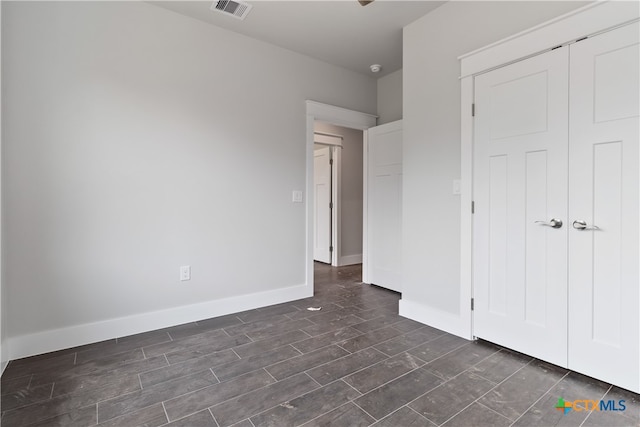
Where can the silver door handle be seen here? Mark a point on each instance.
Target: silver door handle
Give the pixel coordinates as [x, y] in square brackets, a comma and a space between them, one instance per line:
[579, 224]
[554, 223]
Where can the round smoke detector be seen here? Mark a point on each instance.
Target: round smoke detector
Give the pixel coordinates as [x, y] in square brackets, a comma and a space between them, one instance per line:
[375, 68]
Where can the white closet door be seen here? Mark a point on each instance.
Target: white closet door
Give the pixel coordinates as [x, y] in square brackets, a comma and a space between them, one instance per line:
[321, 208]
[604, 299]
[520, 167]
[384, 204]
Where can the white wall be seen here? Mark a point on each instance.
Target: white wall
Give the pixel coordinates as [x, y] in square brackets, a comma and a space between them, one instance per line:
[137, 140]
[4, 355]
[390, 97]
[431, 109]
[350, 191]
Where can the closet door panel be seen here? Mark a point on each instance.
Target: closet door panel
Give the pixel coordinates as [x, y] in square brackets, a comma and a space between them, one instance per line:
[604, 297]
[520, 187]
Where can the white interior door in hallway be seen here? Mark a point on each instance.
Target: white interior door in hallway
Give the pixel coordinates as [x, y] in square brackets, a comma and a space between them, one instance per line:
[384, 206]
[322, 205]
[556, 197]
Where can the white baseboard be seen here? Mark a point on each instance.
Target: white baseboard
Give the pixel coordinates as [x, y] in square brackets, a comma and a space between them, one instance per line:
[72, 336]
[443, 320]
[350, 259]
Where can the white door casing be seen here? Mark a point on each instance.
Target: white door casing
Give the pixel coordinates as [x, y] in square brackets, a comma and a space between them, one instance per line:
[321, 201]
[520, 186]
[604, 320]
[384, 205]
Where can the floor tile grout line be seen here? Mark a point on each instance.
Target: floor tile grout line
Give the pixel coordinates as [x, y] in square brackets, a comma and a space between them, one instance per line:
[461, 372]
[165, 412]
[339, 346]
[590, 412]
[487, 392]
[412, 400]
[413, 410]
[312, 379]
[140, 381]
[383, 384]
[214, 417]
[540, 398]
[498, 413]
[155, 403]
[324, 413]
[234, 352]
[269, 408]
[389, 339]
[274, 378]
[231, 398]
[214, 375]
[276, 348]
[306, 371]
[357, 391]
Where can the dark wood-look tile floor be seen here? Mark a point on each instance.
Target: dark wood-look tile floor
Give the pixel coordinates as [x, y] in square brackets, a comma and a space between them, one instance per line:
[356, 362]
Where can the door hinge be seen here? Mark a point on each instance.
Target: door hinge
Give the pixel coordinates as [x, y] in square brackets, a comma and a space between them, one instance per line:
[473, 110]
[473, 207]
[331, 161]
[330, 205]
[472, 304]
[330, 248]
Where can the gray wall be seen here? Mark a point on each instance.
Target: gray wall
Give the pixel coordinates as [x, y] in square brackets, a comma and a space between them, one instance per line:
[390, 97]
[431, 108]
[351, 188]
[137, 140]
[4, 354]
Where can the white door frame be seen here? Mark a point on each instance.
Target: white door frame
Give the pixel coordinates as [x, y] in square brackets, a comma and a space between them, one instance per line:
[586, 21]
[340, 117]
[335, 143]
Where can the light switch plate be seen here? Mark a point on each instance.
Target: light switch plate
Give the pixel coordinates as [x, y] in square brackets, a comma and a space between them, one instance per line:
[296, 196]
[456, 187]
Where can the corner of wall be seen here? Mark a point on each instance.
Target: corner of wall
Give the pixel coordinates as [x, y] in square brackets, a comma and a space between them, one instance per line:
[390, 97]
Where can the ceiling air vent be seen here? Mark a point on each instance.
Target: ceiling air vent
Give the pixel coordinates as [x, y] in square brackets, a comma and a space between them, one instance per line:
[236, 9]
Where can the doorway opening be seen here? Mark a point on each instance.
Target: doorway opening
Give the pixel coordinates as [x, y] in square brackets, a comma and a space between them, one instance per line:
[338, 194]
[334, 121]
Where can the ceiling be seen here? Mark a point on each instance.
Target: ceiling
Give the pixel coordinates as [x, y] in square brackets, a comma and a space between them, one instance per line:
[340, 32]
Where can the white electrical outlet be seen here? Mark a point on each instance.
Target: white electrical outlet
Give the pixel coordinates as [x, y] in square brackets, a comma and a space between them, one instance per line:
[185, 272]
